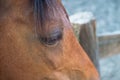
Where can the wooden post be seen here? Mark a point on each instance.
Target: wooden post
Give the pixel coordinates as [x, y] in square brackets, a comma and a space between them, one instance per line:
[86, 34]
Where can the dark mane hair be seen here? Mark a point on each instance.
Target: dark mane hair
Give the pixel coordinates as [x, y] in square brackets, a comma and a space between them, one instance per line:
[41, 10]
[44, 9]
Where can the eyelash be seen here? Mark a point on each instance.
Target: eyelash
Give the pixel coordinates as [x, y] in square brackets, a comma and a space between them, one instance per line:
[51, 40]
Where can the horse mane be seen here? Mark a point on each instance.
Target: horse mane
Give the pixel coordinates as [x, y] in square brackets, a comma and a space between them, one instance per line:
[44, 9]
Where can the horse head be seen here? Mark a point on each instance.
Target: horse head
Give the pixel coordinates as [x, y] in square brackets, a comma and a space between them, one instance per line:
[37, 43]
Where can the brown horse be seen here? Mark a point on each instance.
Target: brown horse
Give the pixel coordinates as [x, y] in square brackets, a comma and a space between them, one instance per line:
[37, 43]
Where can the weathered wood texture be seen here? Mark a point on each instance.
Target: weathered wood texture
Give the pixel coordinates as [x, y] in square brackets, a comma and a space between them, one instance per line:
[88, 40]
[86, 34]
[109, 45]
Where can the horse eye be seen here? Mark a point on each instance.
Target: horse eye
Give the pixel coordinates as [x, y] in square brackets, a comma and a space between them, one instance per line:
[52, 38]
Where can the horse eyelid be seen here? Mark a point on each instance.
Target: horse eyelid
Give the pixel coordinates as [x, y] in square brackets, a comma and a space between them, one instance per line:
[52, 39]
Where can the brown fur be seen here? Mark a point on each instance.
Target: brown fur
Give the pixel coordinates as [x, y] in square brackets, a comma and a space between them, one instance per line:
[24, 57]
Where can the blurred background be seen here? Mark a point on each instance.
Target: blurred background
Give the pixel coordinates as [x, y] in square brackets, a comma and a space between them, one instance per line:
[107, 16]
